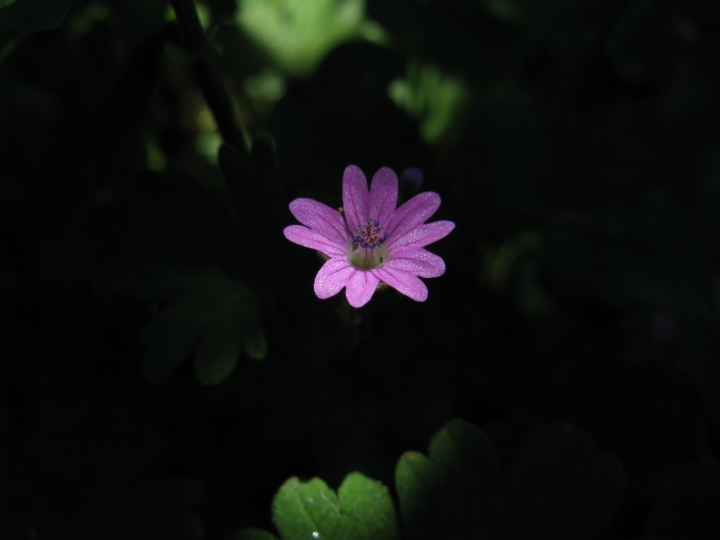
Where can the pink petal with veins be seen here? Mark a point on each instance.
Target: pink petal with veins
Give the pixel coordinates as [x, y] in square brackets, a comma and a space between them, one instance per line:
[360, 288]
[355, 197]
[383, 195]
[422, 235]
[416, 261]
[314, 240]
[408, 284]
[333, 276]
[321, 218]
[411, 214]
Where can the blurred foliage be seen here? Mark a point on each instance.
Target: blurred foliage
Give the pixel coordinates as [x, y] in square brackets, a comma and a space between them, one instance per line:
[436, 101]
[170, 261]
[555, 485]
[298, 34]
[213, 316]
[32, 15]
[575, 145]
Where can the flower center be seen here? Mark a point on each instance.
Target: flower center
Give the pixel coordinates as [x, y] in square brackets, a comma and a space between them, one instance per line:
[363, 253]
[370, 235]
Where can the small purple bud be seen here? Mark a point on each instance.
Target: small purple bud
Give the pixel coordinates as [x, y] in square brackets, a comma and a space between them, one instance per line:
[412, 177]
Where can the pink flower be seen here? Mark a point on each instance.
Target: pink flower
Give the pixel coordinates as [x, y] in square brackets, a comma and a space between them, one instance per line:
[371, 241]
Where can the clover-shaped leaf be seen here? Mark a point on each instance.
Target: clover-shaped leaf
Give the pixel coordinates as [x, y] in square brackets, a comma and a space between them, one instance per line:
[556, 485]
[452, 490]
[362, 510]
[212, 315]
[556, 488]
[288, 30]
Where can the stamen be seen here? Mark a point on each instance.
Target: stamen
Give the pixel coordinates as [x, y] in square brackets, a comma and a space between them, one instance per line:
[370, 236]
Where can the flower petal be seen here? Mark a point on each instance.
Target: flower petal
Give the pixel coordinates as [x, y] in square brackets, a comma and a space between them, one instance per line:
[360, 288]
[383, 195]
[314, 240]
[321, 218]
[333, 276]
[355, 197]
[406, 283]
[422, 235]
[412, 213]
[419, 262]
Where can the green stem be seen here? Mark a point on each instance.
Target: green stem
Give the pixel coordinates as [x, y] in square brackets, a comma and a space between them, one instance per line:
[208, 76]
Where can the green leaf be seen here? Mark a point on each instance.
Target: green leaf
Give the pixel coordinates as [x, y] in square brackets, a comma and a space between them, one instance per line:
[255, 342]
[252, 534]
[427, 94]
[556, 488]
[452, 491]
[219, 348]
[687, 506]
[362, 511]
[32, 15]
[210, 314]
[305, 510]
[171, 336]
[368, 508]
[288, 30]
[181, 228]
[421, 497]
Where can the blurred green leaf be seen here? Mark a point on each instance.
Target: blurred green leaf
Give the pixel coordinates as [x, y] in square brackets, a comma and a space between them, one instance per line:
[687, 506]
[435, 99]
[184, 248]
[362, 510]
[557, 488]
[255, 343]
[288, 29]
[504, 9]
[368, 506]
[211, 314]
[32, 15]
[219, 347]
[452, 491]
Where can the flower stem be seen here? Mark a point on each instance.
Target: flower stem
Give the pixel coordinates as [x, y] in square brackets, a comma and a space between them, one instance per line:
[207, 74]
[350, 320]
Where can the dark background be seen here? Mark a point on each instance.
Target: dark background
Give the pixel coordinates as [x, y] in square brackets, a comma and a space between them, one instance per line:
[574, 144]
